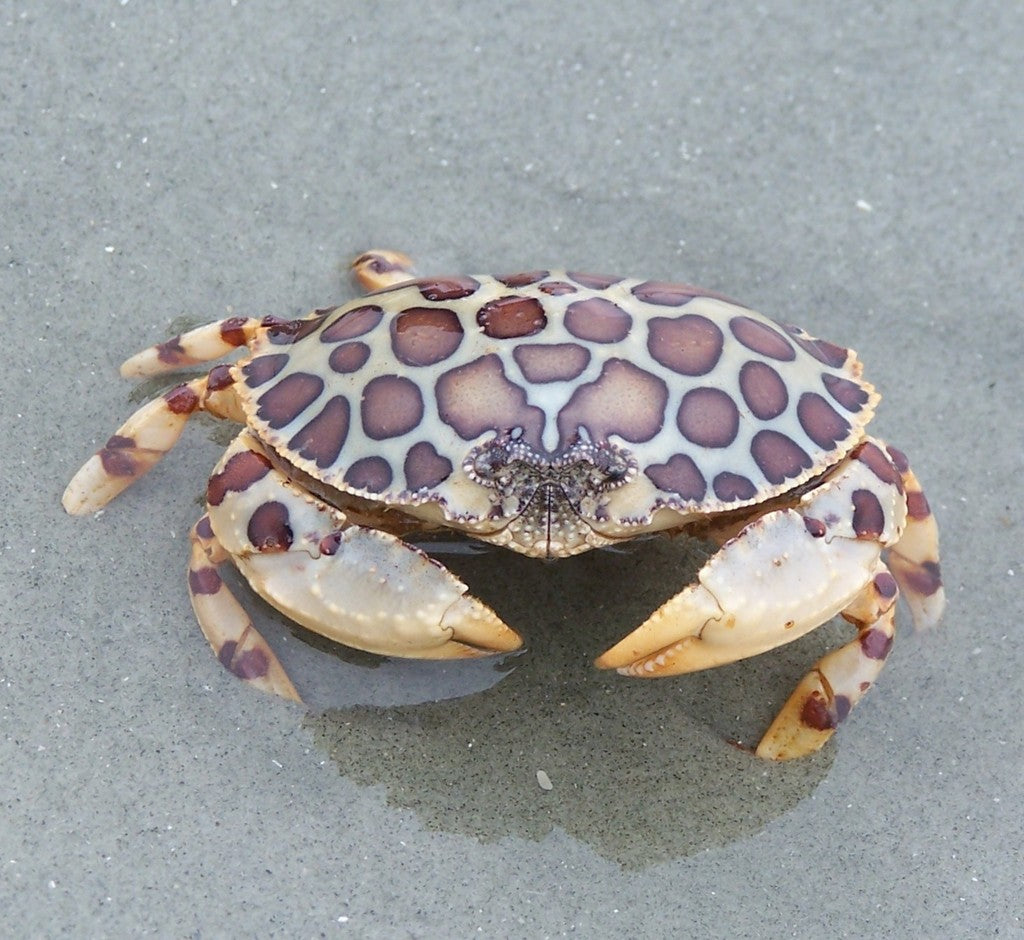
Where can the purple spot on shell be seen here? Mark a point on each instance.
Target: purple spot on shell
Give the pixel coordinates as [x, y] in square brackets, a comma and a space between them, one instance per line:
[352, 323]
[447, 288]
[761, 338]
[849, 394]
[423, 336]
[556, 288]
[778, 456]
[478, 397]
[680, 476]
[827, 353]
[689, 344]
[708, 417]
[264, 368]
[522, 279]
[557, 362]
[280, 404]
[425, 468]
[665, 294]
[512, 317]
[823, 424]
[372, 474]
[349, 357]
[732, 487]
[597, 320]
[391, 406]
[594, 281]
[763, 390]
[322, 438]
[291, 331]
[624, 400]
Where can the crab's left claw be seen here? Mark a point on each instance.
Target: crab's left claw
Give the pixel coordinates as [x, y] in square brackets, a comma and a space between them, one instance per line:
[780, 577]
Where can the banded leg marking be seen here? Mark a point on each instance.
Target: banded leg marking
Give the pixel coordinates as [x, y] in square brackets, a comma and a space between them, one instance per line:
[238, 645]
[143, 440]
[379, 268]
[825, 696]
[203, 344]
[914, 559]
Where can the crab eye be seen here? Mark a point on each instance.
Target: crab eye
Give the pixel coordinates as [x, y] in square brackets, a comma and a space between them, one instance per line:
[487, 463]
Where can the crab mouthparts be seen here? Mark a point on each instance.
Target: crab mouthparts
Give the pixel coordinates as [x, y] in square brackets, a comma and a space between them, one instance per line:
[550, 501]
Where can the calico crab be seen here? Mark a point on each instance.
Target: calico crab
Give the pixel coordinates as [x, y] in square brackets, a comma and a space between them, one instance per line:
[548, 412]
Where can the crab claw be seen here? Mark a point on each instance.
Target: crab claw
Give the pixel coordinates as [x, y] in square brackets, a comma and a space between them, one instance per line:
[350, 583]
[773, 583]
[783, 575]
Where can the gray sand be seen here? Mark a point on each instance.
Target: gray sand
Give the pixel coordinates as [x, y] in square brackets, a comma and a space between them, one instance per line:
[855, 169]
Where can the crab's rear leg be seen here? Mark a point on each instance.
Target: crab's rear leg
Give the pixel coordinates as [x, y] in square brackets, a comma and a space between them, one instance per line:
[914, 559]
[350, 583]
[142, 441]
[381, 267]
[203, 344]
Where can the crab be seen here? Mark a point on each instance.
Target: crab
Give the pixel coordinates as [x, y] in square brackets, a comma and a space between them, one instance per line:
[549, 412]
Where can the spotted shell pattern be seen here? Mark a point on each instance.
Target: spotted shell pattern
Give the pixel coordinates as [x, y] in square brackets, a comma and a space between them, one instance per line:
[717, 406]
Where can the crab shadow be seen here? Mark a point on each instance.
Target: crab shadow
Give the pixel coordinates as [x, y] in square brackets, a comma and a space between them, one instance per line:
[642, 771]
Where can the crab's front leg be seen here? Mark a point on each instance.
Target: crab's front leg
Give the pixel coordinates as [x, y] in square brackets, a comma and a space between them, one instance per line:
[783, 575]
[357, 585]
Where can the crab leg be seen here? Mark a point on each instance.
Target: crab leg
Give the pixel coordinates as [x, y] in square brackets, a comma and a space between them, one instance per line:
[203, 344]
[353, 584]
[783, 575]
[914, 559]
[824, 697]
[142, 441]
[238, 645]
[381, 267]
